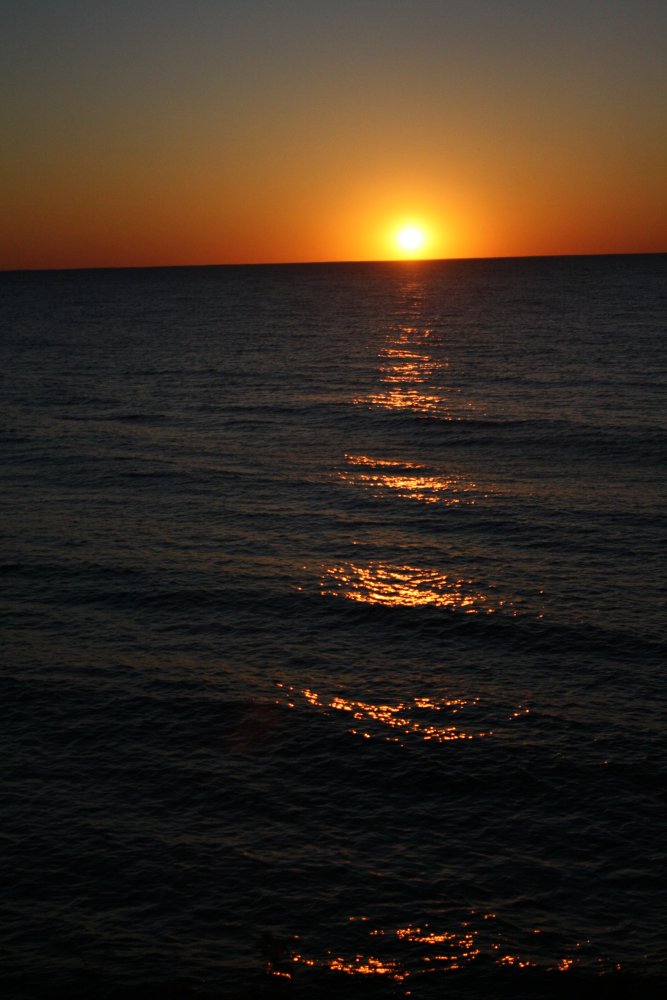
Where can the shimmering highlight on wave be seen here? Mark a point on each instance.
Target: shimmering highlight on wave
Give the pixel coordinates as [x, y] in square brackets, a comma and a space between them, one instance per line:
[424, 950]
[406, 398]
[417, 369]
[408, 586]
[408, 378]
[411, 484]
[377, 462]
[400, 721]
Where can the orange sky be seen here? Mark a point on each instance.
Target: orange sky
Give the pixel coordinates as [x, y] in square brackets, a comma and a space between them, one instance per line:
[170, 133]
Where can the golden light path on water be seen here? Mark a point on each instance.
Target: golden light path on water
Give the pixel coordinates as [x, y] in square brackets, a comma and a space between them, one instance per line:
[422, 718]
[405, 368]
[403, 398]
[423, 950]
[378, 582]
[409, 481]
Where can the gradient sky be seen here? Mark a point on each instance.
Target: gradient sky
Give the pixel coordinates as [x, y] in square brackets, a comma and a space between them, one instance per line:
[140, 132]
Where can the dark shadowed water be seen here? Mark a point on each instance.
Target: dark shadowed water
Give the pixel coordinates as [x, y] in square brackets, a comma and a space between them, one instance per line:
[334, 628]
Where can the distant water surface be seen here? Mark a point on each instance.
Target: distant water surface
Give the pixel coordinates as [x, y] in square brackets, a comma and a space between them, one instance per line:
[334, 626]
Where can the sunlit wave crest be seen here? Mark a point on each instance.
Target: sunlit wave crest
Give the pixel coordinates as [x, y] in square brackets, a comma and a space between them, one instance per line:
[413, 368]
[382, 583]
[420, 718]
[406, 398]
[410, 481]
[415, 950]
[402, 719]
[408, 372]
[390, 463]
[406, 389]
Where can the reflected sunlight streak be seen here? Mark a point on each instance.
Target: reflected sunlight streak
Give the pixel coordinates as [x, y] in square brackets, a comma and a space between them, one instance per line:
[367, 460]
[442, 951]
[410, 484]
[418, 718]
[406, 586]
[394, 717]
[405, 399]
[404, 370]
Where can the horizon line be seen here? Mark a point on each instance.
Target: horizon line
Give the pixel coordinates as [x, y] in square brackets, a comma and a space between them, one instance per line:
[327, 263]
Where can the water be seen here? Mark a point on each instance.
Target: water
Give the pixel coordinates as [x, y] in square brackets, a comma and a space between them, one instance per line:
[334, 629]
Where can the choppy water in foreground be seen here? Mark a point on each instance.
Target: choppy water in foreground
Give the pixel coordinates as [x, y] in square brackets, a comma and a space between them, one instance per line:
[334, 628]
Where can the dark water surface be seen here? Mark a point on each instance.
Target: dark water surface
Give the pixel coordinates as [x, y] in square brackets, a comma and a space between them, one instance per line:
[334, 629]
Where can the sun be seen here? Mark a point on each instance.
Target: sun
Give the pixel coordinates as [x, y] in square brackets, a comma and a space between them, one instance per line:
[411, 239]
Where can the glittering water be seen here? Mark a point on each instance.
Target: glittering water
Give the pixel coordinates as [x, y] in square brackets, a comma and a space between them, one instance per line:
[334, 627]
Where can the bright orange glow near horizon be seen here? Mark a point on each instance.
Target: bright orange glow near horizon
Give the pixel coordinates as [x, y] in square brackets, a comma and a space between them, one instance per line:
[264, 133]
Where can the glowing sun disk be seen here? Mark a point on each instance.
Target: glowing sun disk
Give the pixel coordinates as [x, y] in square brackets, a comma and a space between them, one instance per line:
[411, 238]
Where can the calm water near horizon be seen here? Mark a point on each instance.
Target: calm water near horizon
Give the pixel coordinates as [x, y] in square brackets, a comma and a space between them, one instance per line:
[334, 628]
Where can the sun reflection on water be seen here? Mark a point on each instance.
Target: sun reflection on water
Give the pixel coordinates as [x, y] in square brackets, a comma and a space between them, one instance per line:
[408, 382]
[414, 370]
[382, 583]
[405, 398]
[402, 717]
[409, 481]
[390, 463]
[402, 353]
[410, 376]
[368, 965]
[417, 949]
[430, 720]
